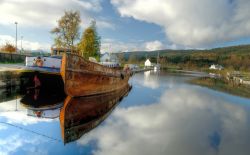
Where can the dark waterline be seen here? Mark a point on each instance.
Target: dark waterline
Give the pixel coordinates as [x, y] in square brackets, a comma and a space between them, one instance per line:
[162, 114]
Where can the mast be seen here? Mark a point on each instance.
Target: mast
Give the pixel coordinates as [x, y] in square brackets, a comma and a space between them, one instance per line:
[158, 58]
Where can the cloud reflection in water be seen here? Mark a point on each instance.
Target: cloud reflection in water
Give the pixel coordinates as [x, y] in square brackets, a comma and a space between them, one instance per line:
[17, 114]
[150, 80]
[186, 121]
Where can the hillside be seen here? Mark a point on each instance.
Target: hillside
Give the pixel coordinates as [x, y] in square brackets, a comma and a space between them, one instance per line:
[234, 57]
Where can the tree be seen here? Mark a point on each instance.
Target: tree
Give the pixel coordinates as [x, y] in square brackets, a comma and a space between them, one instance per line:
[132, 58]
[67, 31]
[121, 56]
[89, 45]
[8, 48]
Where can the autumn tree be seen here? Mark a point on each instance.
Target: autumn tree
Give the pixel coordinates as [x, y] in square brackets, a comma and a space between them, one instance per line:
[89, 45]
[67, 30]
[8, 48]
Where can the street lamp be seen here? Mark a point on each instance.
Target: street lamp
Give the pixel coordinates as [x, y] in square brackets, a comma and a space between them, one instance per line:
[21, 43]
[16, 36]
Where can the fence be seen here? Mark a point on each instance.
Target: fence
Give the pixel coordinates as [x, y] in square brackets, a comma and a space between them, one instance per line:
[11, 57]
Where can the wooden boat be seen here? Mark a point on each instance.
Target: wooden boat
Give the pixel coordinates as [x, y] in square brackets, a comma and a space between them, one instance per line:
[83, 78]
[80, 115]
[44, 69]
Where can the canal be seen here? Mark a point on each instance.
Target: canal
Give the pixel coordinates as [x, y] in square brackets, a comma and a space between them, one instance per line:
[162, 114]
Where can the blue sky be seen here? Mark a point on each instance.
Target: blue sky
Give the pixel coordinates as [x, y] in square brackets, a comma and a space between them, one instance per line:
[132, 25]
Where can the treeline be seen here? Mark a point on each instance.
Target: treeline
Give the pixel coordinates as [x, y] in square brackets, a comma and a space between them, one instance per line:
[235, 58]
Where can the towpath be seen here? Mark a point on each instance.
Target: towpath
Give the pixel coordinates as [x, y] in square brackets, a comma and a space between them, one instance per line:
[11, 67]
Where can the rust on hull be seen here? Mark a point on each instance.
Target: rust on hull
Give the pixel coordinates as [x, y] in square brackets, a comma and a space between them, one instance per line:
[83, 78]
[80, 115]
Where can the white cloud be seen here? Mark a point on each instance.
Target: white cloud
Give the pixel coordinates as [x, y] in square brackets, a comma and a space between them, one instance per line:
[105, 24]
[192, 23]
[45, 13]
[8, 111]
[153, 45]
[9, 144]
[16, 141]
[2, 127]
[119, 46]
[42, 15]
[26, 44]
[21, 117]
[110, 45]
[184, 121]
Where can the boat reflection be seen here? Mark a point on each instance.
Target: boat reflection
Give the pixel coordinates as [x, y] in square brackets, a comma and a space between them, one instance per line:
[44, 113]
[79, 115]
[41, 99]
[40, 103]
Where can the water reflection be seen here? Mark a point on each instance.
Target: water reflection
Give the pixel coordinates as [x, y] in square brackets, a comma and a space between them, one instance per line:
[15, 113]
[173, 118]
[18, 108]
[223, 85]
[8, 92]
[80, 115]
[186, 120]
[41, 99]
[40, 103]
[150, 81]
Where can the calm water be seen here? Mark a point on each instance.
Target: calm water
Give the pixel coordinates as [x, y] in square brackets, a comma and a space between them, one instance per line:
[162, 114]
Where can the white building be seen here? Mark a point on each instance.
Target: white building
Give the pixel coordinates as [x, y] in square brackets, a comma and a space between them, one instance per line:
[216, 67]
[108, 57]
[147, 63]
[109, 60]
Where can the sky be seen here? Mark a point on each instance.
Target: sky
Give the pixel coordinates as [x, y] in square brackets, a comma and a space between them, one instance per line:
[131, 25]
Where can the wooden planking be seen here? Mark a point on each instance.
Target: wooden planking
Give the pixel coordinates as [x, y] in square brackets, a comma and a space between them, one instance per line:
[83, 78]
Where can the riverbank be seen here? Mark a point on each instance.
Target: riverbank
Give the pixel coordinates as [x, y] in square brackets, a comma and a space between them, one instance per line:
[223, 85]
[141, 70]
[229, 81]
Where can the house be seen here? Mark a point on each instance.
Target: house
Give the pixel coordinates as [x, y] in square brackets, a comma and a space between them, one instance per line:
[110, 60]
[109, 57]
[216, 67]
[147, 63]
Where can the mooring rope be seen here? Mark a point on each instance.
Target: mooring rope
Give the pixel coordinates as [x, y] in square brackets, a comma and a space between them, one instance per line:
[30, 131]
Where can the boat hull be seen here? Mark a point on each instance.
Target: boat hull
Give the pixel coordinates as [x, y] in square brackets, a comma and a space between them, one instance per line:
[84, 78]
[79, 115]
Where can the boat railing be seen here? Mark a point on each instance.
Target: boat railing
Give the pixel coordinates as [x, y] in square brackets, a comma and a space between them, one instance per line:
[43, 62]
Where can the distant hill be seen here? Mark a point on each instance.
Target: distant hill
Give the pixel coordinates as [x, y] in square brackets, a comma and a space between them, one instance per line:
[239, 50]
[235, 57]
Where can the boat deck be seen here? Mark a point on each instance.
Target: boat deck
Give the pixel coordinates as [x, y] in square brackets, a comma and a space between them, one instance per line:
[42, 69]
[22, 68]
